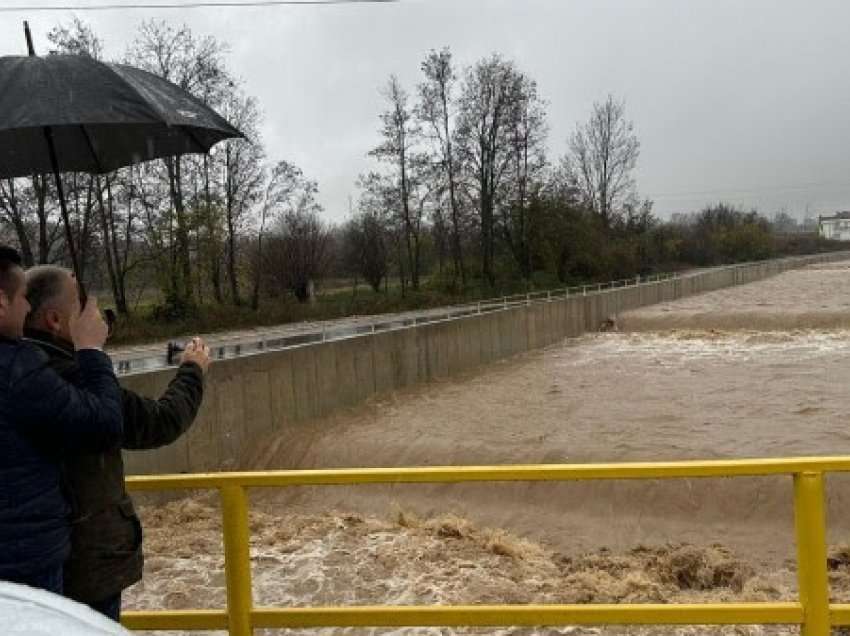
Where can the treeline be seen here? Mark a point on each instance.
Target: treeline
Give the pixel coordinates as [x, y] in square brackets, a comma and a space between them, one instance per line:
[463, 198]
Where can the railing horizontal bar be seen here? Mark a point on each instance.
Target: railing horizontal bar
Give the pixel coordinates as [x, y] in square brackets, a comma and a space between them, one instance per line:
[839, 614]
[481, 616]
[504, 615]
[457, 474]
[174, 619]
[217, 619]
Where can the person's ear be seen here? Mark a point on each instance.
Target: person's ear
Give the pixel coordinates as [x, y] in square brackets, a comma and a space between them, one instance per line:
[4, 301]
[53, 320]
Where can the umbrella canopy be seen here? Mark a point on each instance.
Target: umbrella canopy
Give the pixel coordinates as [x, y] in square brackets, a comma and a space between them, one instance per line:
[26, 611]
[101, 116]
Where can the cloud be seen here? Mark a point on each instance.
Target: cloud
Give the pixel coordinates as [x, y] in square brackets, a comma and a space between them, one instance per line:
[725, 95]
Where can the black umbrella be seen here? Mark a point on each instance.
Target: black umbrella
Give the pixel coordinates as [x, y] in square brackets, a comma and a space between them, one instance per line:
[72, 113]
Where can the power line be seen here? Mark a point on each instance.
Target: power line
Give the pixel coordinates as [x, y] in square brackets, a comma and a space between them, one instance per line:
[227, 4]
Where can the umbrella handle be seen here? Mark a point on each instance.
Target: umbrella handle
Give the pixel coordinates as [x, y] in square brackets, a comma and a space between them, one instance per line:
[69, 237]
[28, 36]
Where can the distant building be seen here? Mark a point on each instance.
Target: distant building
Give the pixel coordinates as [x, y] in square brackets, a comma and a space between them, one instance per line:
[836, 227]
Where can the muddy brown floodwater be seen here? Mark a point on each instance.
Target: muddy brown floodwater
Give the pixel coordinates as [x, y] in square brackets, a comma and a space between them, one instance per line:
[760, 370]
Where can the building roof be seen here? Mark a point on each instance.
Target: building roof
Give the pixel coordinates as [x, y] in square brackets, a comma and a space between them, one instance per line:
[836, 217]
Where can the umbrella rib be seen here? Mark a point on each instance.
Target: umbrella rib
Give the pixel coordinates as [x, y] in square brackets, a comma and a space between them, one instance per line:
[194, 138]
[91, 149]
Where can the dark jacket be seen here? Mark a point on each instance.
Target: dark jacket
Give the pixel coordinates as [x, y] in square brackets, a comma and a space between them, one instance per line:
[42, 417]
[106, 554]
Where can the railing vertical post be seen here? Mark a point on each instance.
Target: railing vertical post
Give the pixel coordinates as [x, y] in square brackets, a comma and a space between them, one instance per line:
[237, 560]
[810, 522]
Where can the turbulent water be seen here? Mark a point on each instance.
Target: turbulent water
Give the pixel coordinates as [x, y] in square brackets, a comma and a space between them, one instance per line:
[676, 387]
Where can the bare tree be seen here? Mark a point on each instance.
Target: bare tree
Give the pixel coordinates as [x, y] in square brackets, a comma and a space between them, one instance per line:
[366, 246]
[483, 138]
[81, 196]
[400, 132]
[281, 187]
[378, 200]
[243, 178]
[436, 110]
[13, 212]
[78, 38]
[27, 205]
[120, 213]
[193, 63]
[196, 65]
[300, 245]
[528, 131]
[603, 155]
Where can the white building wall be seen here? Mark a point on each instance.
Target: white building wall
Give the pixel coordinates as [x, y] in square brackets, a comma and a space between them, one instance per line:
[835, 229]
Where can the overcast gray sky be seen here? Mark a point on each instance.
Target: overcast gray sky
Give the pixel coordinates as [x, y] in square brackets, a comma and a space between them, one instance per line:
[747, 102]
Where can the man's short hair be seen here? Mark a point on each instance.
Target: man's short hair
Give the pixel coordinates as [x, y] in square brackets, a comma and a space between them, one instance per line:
[45, 284]
[9, 260]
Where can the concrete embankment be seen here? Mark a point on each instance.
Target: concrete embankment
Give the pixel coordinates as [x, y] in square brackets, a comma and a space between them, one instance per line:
[254, 396]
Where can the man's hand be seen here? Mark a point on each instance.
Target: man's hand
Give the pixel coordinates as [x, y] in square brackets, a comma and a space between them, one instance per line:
[198, 352]
[88, 330]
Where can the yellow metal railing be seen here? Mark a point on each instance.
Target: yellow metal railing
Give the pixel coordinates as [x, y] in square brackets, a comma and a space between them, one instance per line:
[812, 611]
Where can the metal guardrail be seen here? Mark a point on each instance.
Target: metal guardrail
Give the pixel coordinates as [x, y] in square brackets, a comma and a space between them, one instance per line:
[142, 364]
[812, 611]
[329, 332]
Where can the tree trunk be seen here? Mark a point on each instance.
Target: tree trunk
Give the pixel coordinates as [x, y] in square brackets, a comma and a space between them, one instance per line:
[182, 233]
[182, 276]
[231, 257]
[255, 296]
[214, 261]
[40, 189]
[85, 231]
[176, 290]
[408, 226]
[487, 237]
[120, 277]
[107, 243]
[401, 274]
[231, 233]
[255, 293]
[456, 247]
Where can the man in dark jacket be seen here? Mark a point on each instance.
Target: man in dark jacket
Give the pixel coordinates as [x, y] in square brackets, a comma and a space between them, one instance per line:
[106, 539]
[42, 418]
